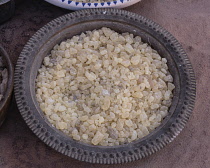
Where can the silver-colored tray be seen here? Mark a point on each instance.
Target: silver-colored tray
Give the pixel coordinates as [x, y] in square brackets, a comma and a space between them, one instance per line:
[121, 21]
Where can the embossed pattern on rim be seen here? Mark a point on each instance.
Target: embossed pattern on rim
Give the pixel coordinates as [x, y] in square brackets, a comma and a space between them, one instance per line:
[97, 154]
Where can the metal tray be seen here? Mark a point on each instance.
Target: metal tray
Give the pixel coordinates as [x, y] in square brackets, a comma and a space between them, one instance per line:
[121, 21]
[4, 103]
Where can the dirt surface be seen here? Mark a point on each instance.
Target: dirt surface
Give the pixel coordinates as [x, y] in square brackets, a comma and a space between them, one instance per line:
[187, 20]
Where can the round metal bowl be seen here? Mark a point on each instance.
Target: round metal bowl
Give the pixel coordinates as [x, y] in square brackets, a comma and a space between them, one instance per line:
[72, 24]
[4, 103]
[73, 5]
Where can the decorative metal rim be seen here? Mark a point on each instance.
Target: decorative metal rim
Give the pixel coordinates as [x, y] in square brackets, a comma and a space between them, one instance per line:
[98, 154]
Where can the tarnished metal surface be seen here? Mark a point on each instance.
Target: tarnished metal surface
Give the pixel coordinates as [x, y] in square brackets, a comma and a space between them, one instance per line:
[121, 21]
[4, 103]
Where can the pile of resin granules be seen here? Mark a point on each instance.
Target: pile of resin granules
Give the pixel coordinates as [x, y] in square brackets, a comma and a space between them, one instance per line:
[104, 88]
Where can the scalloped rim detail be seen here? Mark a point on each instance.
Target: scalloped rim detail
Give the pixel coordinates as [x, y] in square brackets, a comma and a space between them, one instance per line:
[123, 155]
